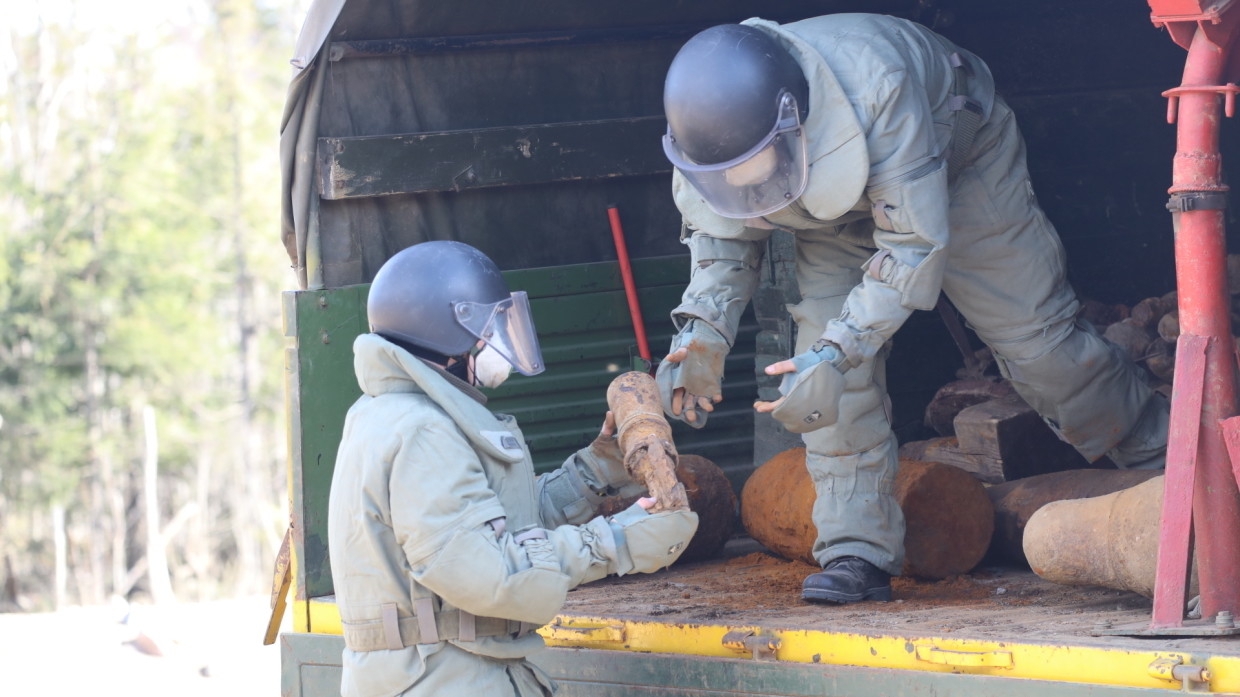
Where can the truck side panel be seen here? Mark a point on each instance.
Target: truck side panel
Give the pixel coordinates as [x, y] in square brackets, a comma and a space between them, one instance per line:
[311, 668]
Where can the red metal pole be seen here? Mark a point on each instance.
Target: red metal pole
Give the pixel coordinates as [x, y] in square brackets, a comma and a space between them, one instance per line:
[1200, 477]
[630, 287]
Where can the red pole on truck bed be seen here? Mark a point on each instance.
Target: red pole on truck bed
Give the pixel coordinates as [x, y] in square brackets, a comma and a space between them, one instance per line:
[1201, 503]
[630, 286]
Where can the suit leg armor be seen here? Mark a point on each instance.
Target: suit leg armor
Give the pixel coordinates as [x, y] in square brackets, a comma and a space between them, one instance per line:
[1007, 275]
[852, 462]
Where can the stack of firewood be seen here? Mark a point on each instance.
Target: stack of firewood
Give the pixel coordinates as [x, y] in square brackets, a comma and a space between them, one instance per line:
[1147, 331]
[986, 429]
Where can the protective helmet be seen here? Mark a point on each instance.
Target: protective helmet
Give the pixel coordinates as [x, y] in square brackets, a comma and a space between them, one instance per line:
[444, 296]
[734, 100]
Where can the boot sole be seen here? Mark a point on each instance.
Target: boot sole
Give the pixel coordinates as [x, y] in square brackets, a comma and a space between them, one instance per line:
[822, 595]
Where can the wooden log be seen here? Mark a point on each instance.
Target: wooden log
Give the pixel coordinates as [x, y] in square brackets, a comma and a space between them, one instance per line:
[1131, 336]
[1160, 359]
[646, 439]
[1010, 431]
[946, 450]
[1101, 314]
[1016, 501]
[1169, 326]
[710, 495]
[999, 440]
[948, 517]
[1147, 313]
[956, 395]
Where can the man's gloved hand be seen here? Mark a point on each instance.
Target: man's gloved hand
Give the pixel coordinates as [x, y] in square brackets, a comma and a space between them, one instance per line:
[811, 389]
[604, 458]
[647, 542]
[573, 493]
[690, 377]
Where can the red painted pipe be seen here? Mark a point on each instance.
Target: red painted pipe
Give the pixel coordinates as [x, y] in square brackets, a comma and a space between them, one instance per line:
[630, 287]
[1204, 312]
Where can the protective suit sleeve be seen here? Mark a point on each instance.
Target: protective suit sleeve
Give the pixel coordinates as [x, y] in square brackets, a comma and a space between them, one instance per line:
[589, 477]
[722, 279]
[909, 195]
[725, 256]
[442, 507]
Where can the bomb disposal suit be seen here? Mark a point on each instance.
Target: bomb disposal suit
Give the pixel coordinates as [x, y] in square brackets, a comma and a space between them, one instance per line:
[904, 177]
[446, 551]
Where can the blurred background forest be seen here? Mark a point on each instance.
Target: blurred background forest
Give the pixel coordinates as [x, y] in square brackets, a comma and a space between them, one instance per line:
[141, 443]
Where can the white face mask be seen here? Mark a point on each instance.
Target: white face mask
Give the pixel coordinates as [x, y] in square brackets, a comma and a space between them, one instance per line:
[490, 368]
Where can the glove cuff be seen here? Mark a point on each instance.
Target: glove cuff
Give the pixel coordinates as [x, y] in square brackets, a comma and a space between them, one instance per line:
[811, 398]
[601, 471]
[823, 351]
[623, 561]
[707, 326]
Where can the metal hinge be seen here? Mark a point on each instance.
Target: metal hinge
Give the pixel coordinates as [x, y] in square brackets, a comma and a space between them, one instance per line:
[1174, 668]
[759, 647]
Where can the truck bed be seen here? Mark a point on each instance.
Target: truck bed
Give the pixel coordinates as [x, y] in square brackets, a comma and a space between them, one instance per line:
[749, 585]
[997, 630]
[735, 625]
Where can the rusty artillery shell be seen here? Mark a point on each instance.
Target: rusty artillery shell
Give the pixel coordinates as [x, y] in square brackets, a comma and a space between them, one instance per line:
[646, 439]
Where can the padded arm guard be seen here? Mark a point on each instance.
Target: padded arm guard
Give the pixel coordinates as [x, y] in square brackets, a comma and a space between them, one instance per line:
[906, 274]
[723, 278]
[590, 476]
[911, 233]
[523, 577]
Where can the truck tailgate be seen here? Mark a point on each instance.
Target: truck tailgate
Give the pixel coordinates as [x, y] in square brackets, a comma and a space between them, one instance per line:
[736, 625]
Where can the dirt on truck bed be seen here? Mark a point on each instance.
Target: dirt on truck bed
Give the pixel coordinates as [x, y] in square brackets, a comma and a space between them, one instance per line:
[750, 586]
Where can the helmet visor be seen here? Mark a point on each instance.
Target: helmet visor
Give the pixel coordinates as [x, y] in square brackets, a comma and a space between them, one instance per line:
[768, 177]
[506, 326]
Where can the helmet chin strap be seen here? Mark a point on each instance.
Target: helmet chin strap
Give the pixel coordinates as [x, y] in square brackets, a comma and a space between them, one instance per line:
[458, 368]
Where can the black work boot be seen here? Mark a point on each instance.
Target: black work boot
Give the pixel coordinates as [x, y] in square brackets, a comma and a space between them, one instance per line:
[847, 580]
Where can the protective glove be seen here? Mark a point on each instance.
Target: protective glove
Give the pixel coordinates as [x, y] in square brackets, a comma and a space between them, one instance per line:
[1193, 609]
[603, 459]
[591, 476]
[647, 542]
[690, 377]
[812, 385]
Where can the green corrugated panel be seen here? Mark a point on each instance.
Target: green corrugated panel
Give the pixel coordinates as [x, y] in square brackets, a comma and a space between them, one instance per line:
[587, 339]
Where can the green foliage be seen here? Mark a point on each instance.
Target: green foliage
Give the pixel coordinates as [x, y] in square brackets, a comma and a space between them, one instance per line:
[137, 248]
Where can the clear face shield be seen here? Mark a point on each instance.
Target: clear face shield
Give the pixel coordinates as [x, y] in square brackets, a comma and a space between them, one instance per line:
[771, 175]
[506, 326]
